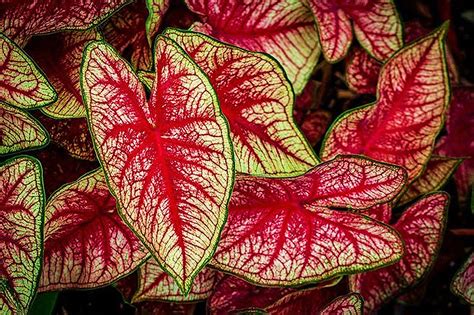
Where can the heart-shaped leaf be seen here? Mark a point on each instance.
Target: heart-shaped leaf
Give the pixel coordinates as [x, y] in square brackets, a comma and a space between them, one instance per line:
[401, 126]
[278, 230]
[421, 227]
[21, 232]
[438, 170]
[86, 243]
[168, 160]
[257, 100]
[20, 19]
[155, 284]
[377, 26]
[20, 131]
[459, 141]
[463, 281]
[22, 84]
[347, 304]
[62, 66]
[284, 29]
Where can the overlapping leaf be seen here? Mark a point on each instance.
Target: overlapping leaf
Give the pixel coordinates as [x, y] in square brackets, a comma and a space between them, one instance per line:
[21, 19]
[155, 284]
[62, 66]
[284, 29]
[22, 84]
[282, 232]
[156, 11]
[421, 227]
[463, 281]
[437, 172]
[349, 304]
[72, 135]
[377, 26]
[19, 131]
[257, 100]
[382, 213]
[168, 160]
[128, 30]
[86, 243]
[362, 72]
[21, 232]
[401, 126]
[459, 141]
[315, 125]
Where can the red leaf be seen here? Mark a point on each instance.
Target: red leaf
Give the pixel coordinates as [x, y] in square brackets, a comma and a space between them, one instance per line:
[305, 101]
[20, 131]
[21, 19]
[22, 84]
[437, 172]
[421, 227]
[377, 26]
[347, 304]
[463, 281]
[155, 284]
[283, 29]
[86, 243]
[168, 160]
[257, 100]
[21, 232]
[401, 126]
[459, 141]
[62, 65]
[126, 30]
[315, 124]
[72, 135]
[382, 213]
[278, 230]
[362, 72]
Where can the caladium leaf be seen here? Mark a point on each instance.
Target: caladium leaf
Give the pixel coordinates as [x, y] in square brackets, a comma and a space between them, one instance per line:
[62, 66]
[315, 124]
[156, 11]
[284, 29]
[463, 281]
[21, 19]
[459, 141]
[72, 135]
[87, 244]
[21, 232]
[437, 172]
[126, 31]
[155, 284]
[362, 72]
[377, 26]
[422, 227]
[168, 160]
[22, 84]
[349, 304]
[20, 131]
[382, 213]
[305, 101]
[278, 229]
[401, 126]
[257, 100]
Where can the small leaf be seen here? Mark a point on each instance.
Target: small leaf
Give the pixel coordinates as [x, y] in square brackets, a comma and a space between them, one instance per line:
[463, 281]
[362, 72]
[257, 100]
[421, 227]
[168, 160]
[71, 135]
[86, 243]
[315, 125]
[284, 29]
[126, 30]
[349, 304]
[21, 19]
[459, 141]
[278, 230]
[20, 131]
[155, 284]
[21, 232]
[401, 126]
[435, 175]
[156, 11]
[377, 26]
[22, 84]
[62, 65]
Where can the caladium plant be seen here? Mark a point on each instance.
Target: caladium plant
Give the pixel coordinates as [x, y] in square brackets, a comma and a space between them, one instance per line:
[172, 155]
